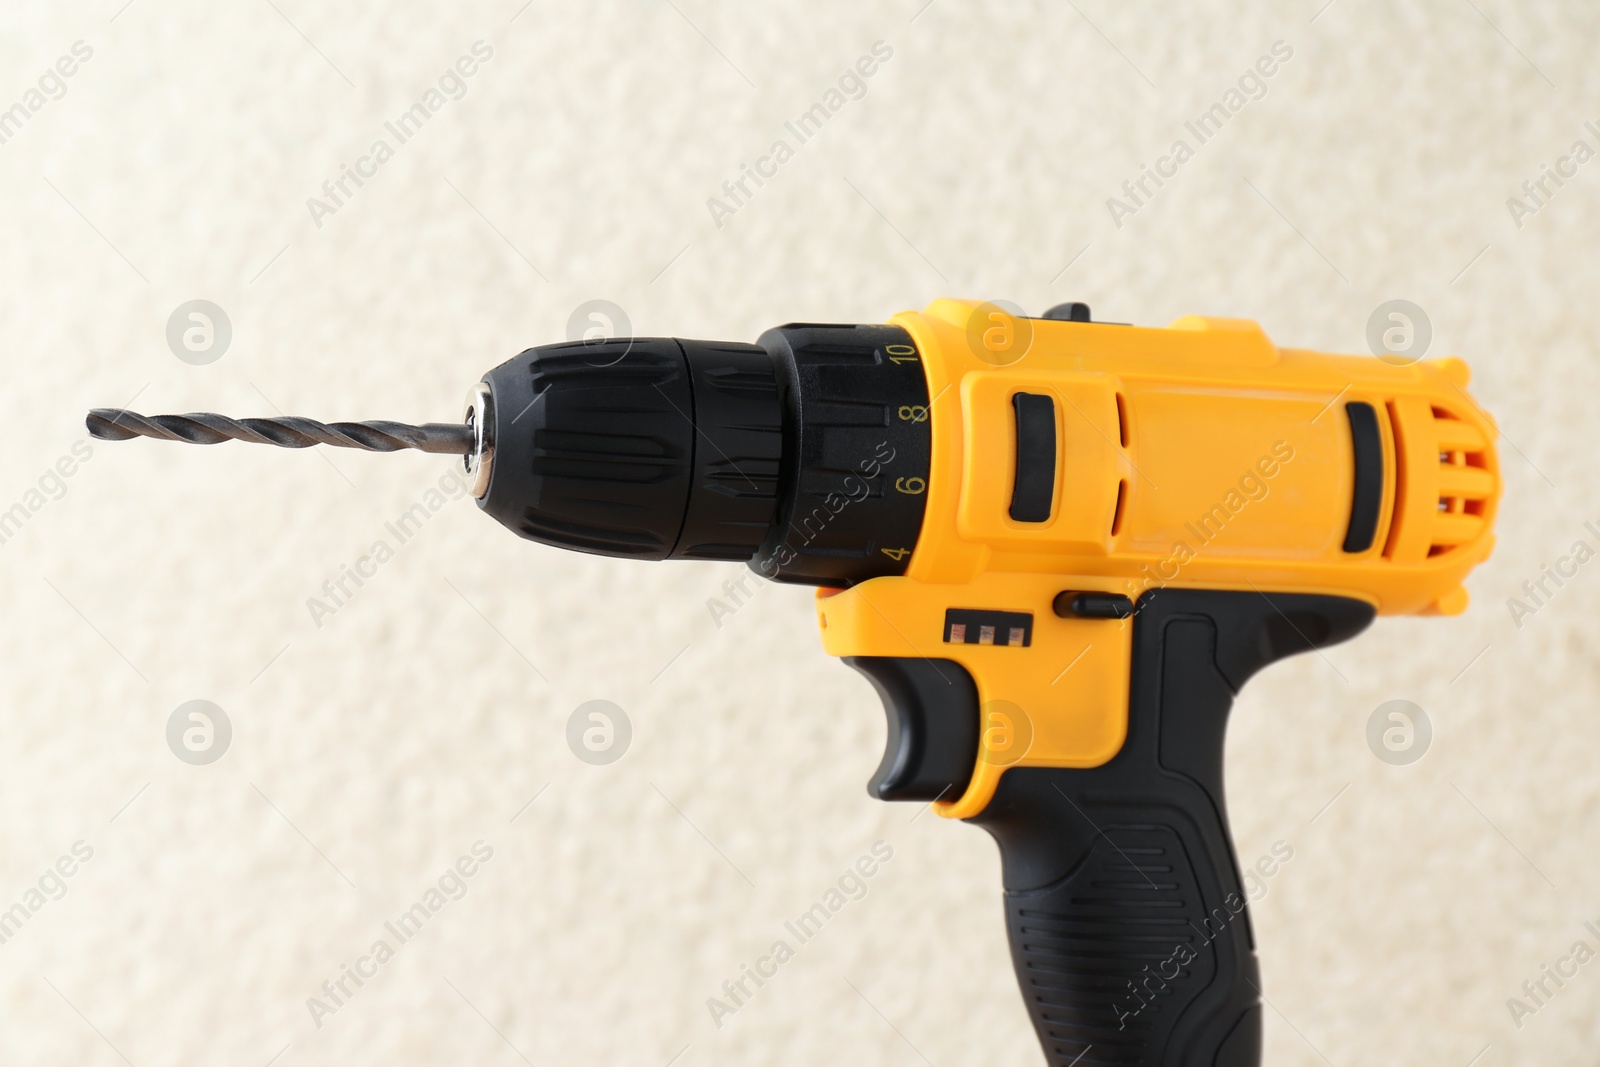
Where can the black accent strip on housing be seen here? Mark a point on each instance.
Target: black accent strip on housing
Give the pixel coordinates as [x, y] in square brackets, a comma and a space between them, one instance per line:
[1367, 498]
[1033, 493]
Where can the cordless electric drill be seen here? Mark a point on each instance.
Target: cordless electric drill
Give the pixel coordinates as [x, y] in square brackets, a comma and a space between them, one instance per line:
[1057, 548]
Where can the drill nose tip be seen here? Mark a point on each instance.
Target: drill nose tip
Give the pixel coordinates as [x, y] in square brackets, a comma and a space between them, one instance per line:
[479, 419]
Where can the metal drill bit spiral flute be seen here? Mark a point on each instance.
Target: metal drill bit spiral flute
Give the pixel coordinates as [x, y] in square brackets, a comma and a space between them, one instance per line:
[289, 431]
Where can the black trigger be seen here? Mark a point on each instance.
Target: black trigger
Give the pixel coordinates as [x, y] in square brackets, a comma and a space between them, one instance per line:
[932, 707]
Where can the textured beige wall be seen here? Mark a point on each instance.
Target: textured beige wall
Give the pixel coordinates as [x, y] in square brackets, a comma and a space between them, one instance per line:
[372, 751]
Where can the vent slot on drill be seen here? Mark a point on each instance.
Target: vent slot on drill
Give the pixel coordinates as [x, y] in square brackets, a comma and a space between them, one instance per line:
[1033, 492]
[1366, 499]
[1465, 483]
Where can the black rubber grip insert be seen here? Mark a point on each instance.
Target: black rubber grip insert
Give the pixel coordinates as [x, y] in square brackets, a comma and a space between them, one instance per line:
[1033, 493]
[1127, 916]
[1367, 498]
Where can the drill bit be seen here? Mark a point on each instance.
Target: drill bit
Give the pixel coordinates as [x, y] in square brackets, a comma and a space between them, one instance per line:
[209, 428]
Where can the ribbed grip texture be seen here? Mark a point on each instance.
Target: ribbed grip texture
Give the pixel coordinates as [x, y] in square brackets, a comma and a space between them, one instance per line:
[738, 451]
[858, 441]
[649, 448]
[1112, 958]
[1128, 922]
[611, 438]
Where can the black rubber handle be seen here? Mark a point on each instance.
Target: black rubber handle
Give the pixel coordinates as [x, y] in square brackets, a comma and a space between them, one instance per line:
[1128, 925]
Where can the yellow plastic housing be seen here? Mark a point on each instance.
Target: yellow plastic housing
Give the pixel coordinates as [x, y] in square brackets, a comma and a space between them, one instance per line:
[1196, 456]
